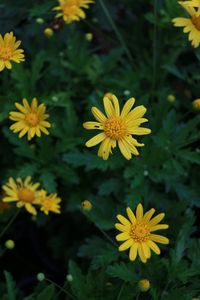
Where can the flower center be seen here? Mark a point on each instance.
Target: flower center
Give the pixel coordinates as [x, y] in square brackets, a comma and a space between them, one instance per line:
[140, 232]
[196, 22]
[32, 119]
[26, 195]
[115, 128]
[5, 53]
[70, 8]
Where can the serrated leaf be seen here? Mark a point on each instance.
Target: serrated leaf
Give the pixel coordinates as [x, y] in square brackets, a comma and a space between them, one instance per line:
[47, 294]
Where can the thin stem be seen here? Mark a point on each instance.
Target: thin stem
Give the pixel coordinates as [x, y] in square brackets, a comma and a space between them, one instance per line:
[121, 290]
[138, 296]
[9, 223]
[107, 236]
[118, 34]
[154, 80]
[60, 288]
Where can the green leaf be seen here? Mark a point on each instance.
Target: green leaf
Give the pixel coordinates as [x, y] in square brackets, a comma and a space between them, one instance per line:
[47, 294]
[10, 286]
[123, 271]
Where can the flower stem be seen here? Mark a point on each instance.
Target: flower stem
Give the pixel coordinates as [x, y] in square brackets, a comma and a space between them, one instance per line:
[60, 288]
[121, 290]
[9, 223]
[154, 79]
[118, 34]
[107, 236]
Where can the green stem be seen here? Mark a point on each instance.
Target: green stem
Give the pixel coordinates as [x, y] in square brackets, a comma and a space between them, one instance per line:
[9, 223]
[121, 290]
[154, 80]
[118, 34]
[60, 288]
[107, 236]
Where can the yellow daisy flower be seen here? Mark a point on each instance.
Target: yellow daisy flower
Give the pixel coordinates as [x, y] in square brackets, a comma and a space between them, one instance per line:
[136, 233]
[30, 119]
[72, 10]
[9, 51]
[117, 127]
[23, 192]
[196, 104]
[191, 25]
[49, 203]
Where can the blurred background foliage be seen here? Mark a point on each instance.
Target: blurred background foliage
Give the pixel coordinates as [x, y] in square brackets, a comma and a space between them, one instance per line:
[70, 75]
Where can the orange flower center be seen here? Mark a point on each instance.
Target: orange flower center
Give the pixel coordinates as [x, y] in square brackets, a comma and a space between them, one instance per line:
[115, 128]
[32, 119]
[5, 53]
[70, 8]
[26, 195]
[140, 232]
[196, 22]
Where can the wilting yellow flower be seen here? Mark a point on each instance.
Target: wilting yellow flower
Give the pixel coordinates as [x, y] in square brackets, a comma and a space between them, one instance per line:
[48, 203]
[86, 205]
[48, 32]
[9, 51]
[191, 25]
[72, 10]
[30, 119]
[117, 127]
[23, 192]
[144, 285]
[137, 233]
[196, 104]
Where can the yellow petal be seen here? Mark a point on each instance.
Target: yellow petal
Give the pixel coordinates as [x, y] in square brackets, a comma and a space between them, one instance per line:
[126, 245]
[122, 228]
[133, 252]
[156, 219]
[122, 236]
[109, 109]
[139, 212]
[123, 220]
[127, 107]
[148, 214]
[116, 105]
[159, 239]
[99, 116]
[93, 125]
[125, 150]
[159, 227]
[141, 254]
[96, 139]
[153, 247]
[131, 215]
[140, 131]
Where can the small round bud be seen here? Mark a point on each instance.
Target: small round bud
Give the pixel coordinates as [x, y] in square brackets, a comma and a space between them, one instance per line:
[40, 276]
[196, 104]
[146, 173]
[48, 32]
[39, 21]
[144, 285]
[10, 244]
[86, 205]
[55, 98]
[127, 93]
[171, 98]
[69, 278]
[89, 36]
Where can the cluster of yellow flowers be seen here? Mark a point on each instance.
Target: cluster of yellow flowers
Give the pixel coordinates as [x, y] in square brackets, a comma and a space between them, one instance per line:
[27, 194]
[117, 128]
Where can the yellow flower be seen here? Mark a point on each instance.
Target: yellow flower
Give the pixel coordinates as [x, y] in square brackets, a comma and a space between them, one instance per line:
[30, 119]
[196, 104]
[117, 127]
[48, 203]
[144, 285]
[191, 25]
[86, 205]
[72, 10]
[23, 192]
[48, 32]
[9, 51]
[136, 233]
